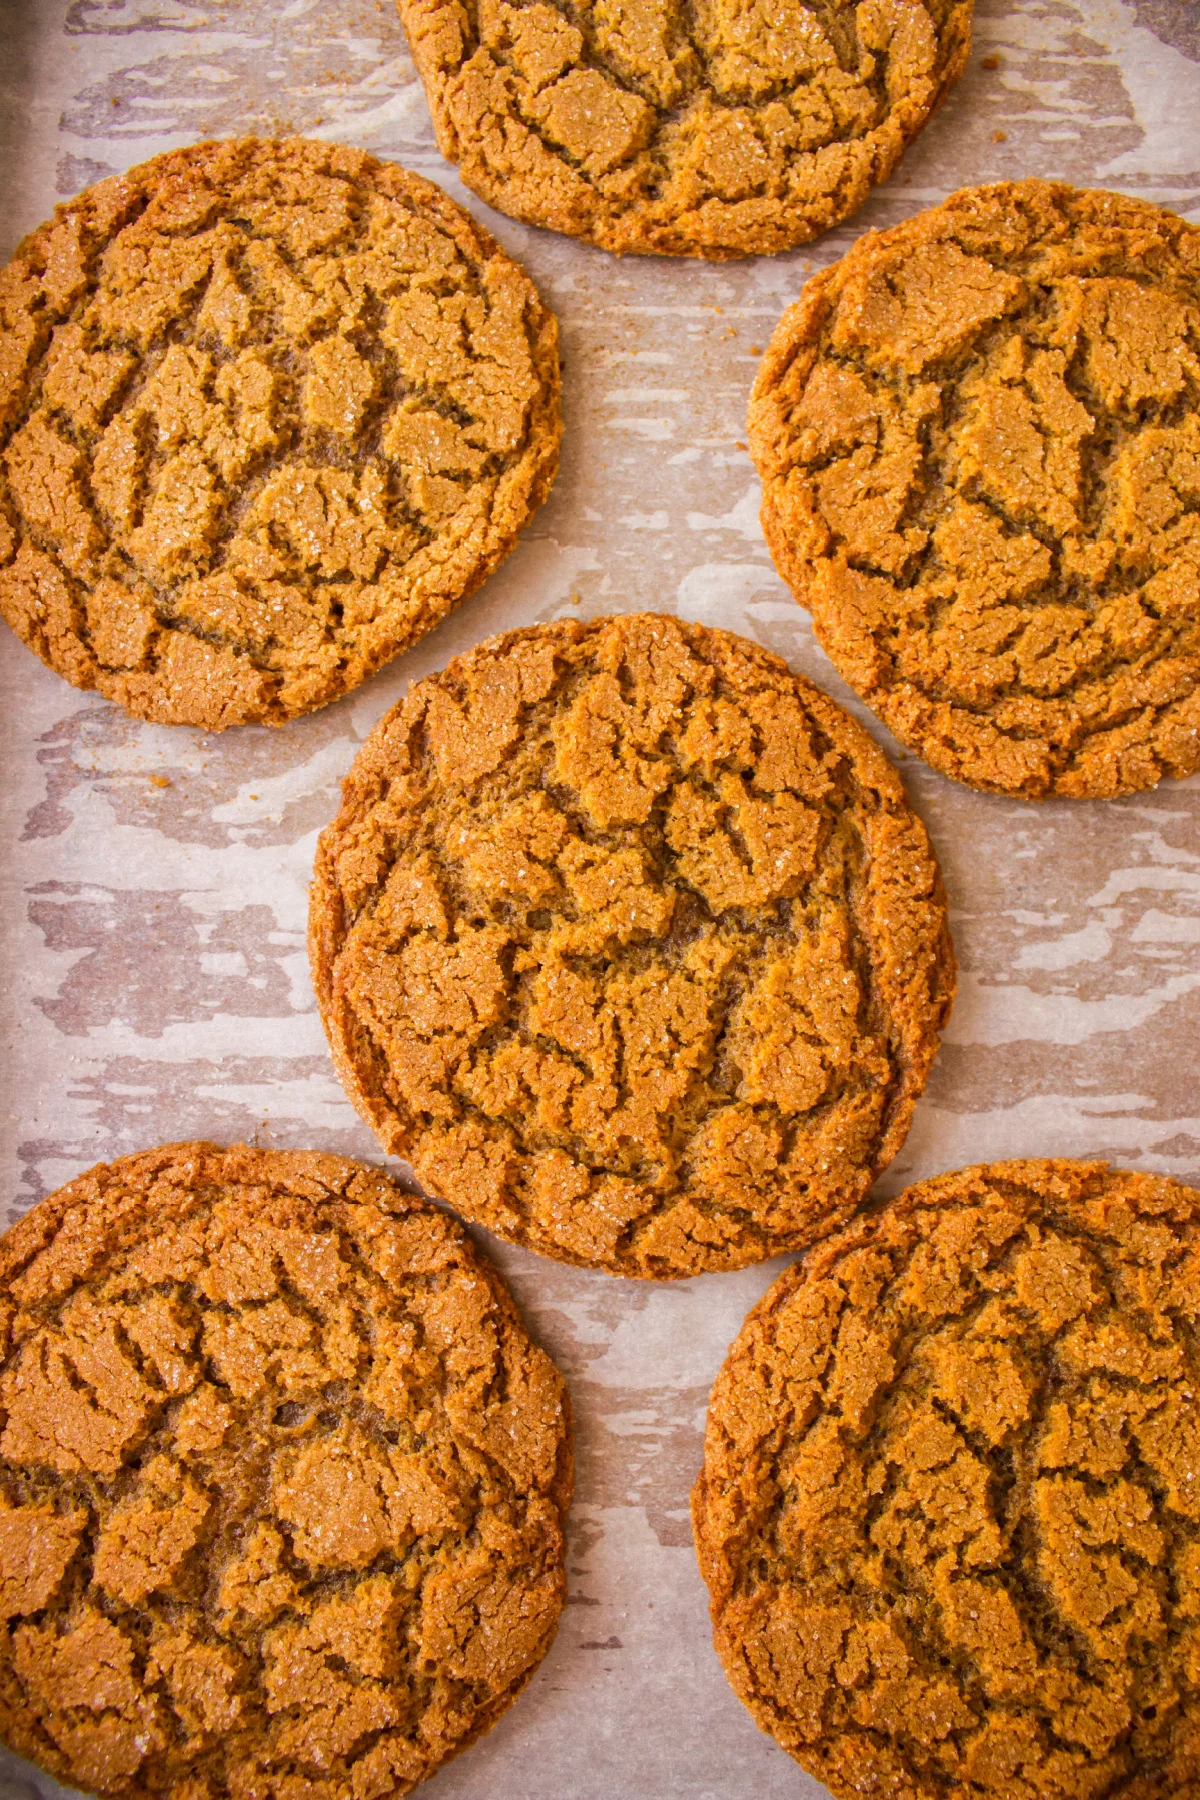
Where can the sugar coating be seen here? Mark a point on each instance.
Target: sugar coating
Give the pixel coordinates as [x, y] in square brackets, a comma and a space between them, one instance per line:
[282, 1482]
[627, 939]
[979, 437]
[268, 410]
[715, 128]
[950, 1509]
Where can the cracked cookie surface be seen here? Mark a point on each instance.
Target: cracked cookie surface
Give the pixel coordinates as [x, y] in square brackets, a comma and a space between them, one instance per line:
[979, 438]
[268, 410]
[717, 128]
[950, 1509]
[626, 938]
[282, 1482]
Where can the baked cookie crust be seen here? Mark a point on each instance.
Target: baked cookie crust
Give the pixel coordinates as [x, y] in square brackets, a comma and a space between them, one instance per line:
[712, 129]
[626, 938]
[268, 411]
[978, 435]
[949, 1509]
[282, 1481]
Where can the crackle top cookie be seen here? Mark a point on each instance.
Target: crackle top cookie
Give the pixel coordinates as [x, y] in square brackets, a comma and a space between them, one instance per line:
[626, 938]
[950, 1509]
[718, 130]
[282, 1482]
[979, 436]
[268, 410]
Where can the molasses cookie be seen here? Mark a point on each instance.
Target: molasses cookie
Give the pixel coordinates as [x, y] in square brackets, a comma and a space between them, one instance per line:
[950, 1509]
[714, 130]
[282, 1482]
[268, 410]
[625, 937]
[979, 436]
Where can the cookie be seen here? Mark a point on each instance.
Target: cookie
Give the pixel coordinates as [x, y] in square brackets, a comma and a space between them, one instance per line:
[268, 410]
[950, 1509]
[720, 130]
[625, 937]
[978, 436]
[282, 1482]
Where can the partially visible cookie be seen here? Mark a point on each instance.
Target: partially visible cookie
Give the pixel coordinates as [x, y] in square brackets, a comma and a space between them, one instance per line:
[626, 937]
[950, 1509]
[716, 130]
[282, 1482]
[268, 410]
[978, 436]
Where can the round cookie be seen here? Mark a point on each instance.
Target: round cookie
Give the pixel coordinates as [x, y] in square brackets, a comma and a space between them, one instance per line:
[282, 1482]
[978, 436]
[268, 410]
[950, 1504]
[720, 130]
[626, 938]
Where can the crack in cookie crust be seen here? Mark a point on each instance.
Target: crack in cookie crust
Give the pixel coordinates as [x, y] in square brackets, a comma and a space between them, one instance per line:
[627, 939]
[713, 128]
[949, 1515]
[268, 411]
[979, 438]
[282, 1482]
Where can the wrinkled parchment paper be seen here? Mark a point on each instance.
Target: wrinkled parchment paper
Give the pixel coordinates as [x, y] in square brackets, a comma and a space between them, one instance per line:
[153, 978]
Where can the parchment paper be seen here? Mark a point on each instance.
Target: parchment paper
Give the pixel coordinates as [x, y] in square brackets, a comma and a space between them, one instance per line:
[154, 979]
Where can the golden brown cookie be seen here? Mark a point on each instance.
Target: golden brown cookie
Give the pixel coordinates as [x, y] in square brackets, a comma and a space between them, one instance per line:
[717, 130]
[979, 436]
[950, 1509]
[626, 938]
[282, 1482]
[268, 410]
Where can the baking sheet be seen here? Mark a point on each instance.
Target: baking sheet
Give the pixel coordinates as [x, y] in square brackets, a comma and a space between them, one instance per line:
[154, 979]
